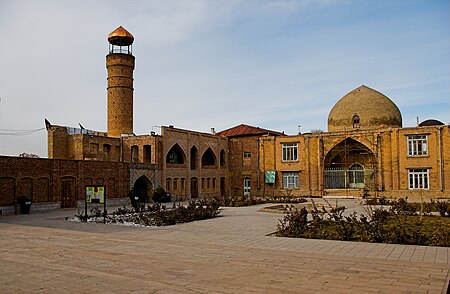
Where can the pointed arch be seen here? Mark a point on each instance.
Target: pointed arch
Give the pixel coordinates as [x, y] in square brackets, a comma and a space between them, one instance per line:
[349, 164]
[222, 158]
[209, 158]
[348, 152]
[194, 157]
[143, 187]
[176, 155]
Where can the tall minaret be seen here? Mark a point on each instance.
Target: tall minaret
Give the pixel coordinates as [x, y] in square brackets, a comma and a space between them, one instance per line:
[120, 66]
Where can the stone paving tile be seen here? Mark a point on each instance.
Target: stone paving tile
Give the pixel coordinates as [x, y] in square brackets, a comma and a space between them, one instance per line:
[229, 254]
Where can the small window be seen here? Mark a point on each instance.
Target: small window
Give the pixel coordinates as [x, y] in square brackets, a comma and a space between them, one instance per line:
[93, 148]
[356, 121]
[214, 184]
[208, 182]
[203, 183]
[147, 153]
[222, 158]
[182, 185]
[418, 179]
[417, 145]
[247, 155]
[175, 185]
[107, 150]
[134, 153]
[168, 180]
[290, 180]
[194, 156]
[289, 151]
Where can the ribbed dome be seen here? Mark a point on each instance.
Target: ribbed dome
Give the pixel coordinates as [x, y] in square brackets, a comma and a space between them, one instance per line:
[364, 108]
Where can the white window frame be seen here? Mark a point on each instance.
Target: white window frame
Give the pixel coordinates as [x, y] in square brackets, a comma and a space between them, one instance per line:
[289, 152]
[417, 145]
[247, 186]
[290, 180]
[418, 178]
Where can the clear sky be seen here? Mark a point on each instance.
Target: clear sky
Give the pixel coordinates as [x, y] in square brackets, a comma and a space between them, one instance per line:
[203, 64]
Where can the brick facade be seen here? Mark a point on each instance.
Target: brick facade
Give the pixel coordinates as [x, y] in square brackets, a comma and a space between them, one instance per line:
[58, 181]
[387, 167]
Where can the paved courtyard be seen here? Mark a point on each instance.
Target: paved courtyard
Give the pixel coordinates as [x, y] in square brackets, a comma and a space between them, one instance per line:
[43, 253]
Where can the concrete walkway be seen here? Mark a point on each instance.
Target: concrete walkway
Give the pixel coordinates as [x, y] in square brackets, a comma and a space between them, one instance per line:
[43, 253]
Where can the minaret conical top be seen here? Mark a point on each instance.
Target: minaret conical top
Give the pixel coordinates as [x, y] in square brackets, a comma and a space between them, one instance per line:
[120, 37]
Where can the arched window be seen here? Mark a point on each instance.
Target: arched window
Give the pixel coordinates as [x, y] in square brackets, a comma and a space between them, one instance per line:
[175, 155]
[222, 158]
[194, 157]
[355, 121]
[208, 158]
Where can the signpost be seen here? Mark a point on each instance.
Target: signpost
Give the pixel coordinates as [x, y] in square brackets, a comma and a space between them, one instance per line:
[95, 194]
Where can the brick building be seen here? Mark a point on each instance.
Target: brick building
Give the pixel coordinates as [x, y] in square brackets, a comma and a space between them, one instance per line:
[366, 151]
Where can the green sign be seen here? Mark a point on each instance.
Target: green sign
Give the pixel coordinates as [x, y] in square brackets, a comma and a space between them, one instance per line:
[95, 194]
[270, 177]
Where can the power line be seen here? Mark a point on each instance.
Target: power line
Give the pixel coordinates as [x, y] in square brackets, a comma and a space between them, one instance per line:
[6, 132]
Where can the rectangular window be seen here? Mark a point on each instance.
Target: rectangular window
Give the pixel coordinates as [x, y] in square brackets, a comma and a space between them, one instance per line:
[134, 153]
[147, 153]
[247, 154]
[417, 145]
[182, 185]
[107, 150]
[168, 185]
[289, 151]
[175, 185]
[418, 178]
[290, 180]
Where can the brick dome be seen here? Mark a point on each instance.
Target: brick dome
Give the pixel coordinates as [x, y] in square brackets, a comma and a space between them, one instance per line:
[364, 108]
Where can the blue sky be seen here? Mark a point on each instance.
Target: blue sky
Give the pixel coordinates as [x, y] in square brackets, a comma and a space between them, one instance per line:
[203, 64]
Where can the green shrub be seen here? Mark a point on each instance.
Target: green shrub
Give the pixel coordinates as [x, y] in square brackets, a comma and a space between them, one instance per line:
[238, 201]
[397, 226]
[443, 207]
[161, 196]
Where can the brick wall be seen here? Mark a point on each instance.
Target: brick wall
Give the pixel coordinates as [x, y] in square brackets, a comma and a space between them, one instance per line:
[48, 180]
[211, 180]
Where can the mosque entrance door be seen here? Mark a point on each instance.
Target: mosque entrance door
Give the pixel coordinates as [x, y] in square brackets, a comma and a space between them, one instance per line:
[350, 165]
[356, 176]
[143, 188]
